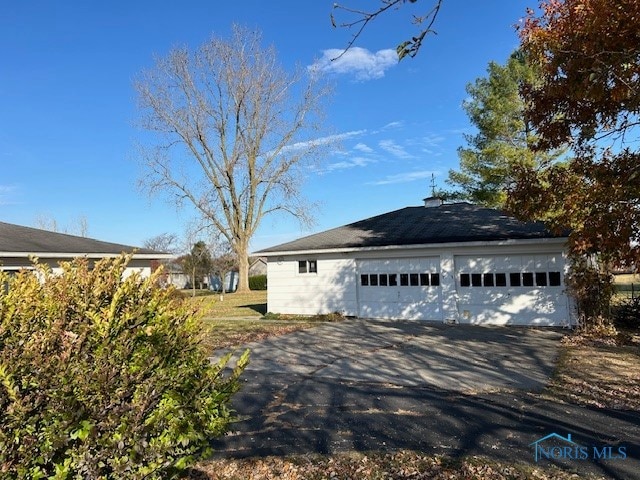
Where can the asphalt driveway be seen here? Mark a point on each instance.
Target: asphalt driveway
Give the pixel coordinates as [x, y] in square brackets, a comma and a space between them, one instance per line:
[453, 390]
[456, 358]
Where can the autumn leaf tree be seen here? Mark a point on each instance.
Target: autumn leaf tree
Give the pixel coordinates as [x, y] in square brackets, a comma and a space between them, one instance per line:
[504, 137]
[231, 132]
[588, 52]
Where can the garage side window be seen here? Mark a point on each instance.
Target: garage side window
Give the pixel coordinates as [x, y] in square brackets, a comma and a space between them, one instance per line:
[307, 266]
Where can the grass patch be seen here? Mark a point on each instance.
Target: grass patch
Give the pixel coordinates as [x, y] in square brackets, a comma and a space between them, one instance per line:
[232, 305]
[241, 318]
[220, 333]
[399, 465]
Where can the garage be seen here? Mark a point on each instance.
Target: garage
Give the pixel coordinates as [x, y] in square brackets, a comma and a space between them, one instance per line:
[511, 289]
[399, 288]
[456, 263]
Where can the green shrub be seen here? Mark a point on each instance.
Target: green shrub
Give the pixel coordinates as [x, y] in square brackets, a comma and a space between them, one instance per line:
[258, 282]
[627, 314]
[104, 378]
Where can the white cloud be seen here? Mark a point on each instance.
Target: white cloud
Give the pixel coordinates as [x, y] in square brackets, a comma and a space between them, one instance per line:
[394, 149]
[430, 144]
[392, 125]
[356, 61]
[351, 163]
[405, 177]
[361, 147]
[323, 140]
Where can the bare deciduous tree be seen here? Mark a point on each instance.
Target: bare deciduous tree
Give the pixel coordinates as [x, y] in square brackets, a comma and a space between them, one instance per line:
[232, 133]
[80, 227]
[165, 242]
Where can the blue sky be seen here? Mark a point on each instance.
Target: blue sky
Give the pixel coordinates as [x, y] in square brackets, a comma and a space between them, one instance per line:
[67, 122]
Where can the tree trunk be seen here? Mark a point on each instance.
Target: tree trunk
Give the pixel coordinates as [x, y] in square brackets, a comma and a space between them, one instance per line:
[193, 282]
[243, 269]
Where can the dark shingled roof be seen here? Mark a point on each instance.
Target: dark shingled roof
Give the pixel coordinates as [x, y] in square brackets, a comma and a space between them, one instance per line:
[18, 239]
[456, 222]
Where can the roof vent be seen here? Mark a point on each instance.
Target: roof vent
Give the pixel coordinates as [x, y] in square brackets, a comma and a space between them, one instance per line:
[431, 202]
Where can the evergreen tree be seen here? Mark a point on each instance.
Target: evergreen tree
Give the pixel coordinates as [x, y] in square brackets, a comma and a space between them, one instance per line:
[504, 137]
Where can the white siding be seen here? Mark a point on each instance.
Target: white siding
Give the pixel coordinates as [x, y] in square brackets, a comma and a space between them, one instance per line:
[337, 284]
[331, 289]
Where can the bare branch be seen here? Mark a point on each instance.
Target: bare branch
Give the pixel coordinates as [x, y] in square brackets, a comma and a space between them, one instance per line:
[409, 47]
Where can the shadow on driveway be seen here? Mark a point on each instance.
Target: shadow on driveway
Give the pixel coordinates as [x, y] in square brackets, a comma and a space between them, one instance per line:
[385, 386]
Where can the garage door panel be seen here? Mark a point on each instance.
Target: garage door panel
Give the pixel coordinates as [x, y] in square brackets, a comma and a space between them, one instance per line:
[481, 301]
[409, 296]
[419, 311]
[487, 297]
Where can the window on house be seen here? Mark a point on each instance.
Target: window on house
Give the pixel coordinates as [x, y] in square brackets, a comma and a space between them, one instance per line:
[307, 266]
[384, 279]
[527, 279]
[554, 279]
[413, 279]
[501, 279]
[424, 279]
[487, 279]
[364, 280]
[476, 279]
[541, 279]
[393, 280]
[435, 279]
[404, 279]
[373, 280]
[514, 279]
[465, 280]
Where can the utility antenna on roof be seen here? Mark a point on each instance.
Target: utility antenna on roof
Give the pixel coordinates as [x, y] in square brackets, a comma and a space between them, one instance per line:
[433, 185]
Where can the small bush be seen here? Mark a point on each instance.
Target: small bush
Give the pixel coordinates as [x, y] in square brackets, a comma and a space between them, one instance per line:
[104, 378]
[258, 282]
[627, 314]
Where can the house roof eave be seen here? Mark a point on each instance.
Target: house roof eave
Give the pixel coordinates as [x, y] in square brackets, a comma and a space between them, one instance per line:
[493, 243]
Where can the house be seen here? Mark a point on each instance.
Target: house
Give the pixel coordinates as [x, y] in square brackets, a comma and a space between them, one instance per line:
[19, 244]
[230, 282]
[454, 263]
[257, 266]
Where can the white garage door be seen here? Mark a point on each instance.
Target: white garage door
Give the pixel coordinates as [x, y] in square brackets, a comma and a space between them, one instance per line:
[511, 290]
[400, 288]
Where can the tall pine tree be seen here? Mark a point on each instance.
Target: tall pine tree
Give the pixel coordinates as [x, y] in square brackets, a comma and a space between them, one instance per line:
[504, 137]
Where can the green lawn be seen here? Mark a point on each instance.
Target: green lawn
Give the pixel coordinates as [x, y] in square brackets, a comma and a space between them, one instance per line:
[237, 318]
[232, 305]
